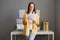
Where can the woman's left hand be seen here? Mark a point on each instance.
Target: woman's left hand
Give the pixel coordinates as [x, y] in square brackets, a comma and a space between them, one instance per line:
[34, 21]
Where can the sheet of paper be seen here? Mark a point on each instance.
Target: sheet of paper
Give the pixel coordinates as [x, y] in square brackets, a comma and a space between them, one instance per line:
[31, 16]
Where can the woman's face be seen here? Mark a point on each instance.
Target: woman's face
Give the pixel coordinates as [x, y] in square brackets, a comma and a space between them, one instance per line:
[31, 7]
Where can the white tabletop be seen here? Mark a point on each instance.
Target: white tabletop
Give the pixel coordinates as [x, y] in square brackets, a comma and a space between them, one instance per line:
[39, 32]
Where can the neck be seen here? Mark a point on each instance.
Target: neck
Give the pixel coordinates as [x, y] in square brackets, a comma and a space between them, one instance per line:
[31, 10]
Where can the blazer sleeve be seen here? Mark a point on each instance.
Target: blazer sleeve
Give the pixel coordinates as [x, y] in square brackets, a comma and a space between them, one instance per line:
[24, 17]
[37, 19]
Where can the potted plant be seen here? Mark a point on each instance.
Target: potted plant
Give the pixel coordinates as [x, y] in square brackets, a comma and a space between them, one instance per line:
[40, 24]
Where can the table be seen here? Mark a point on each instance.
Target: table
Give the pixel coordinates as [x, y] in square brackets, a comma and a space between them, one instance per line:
[39, 33]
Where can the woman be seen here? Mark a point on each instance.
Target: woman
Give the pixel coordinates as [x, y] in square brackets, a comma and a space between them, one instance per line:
[26, 22]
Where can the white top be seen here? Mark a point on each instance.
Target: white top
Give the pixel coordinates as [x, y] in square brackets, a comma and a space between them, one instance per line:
[31, 16]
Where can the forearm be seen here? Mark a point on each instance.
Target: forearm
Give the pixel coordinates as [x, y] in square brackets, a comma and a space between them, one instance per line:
[36, 22]
[24, 21]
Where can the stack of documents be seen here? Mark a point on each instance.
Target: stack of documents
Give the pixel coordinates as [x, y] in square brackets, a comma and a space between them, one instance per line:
[31, 16]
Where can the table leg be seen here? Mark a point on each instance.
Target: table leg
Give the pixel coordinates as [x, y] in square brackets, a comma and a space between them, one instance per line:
[53, 36]
[11, 37]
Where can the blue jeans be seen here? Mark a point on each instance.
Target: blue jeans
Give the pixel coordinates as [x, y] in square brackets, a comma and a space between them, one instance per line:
[32, 36]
